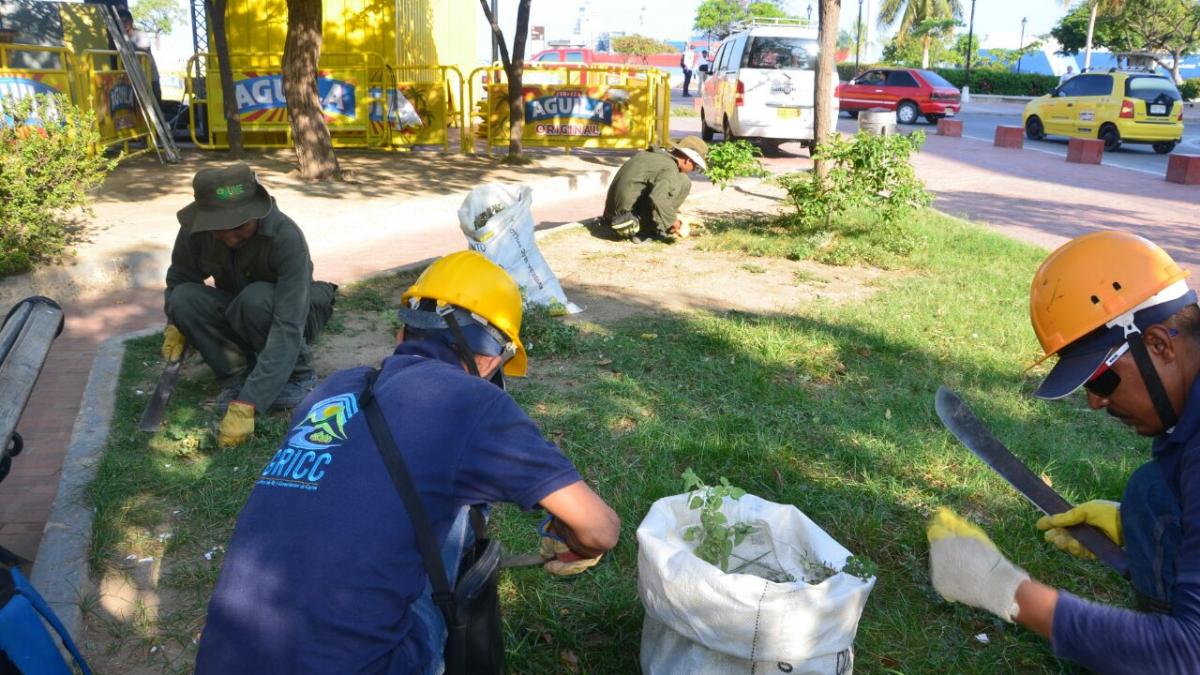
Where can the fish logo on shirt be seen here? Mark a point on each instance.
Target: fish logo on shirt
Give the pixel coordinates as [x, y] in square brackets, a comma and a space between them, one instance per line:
[325, 424]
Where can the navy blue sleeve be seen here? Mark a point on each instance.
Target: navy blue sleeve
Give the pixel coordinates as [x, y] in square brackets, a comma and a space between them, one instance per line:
[508, 460]
[1110, 640]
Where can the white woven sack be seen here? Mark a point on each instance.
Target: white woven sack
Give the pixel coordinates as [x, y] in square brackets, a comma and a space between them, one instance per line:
[670, 652]
[507, 240]
[745, 616]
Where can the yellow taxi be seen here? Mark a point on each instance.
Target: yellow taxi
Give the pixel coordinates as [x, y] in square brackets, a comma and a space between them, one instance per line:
[1117, 106]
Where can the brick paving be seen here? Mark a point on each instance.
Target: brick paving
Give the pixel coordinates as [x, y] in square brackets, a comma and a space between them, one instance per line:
[1026, 194]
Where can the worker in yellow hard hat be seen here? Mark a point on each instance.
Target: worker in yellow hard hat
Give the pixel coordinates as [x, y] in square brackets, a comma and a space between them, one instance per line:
[329, 569]
[1117, 312]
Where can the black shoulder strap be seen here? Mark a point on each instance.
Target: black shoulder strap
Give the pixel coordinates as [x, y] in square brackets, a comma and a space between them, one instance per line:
[443, 596]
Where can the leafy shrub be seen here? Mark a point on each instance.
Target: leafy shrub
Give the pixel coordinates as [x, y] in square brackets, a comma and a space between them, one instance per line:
[867, 172]
[1000, 82]
[1190, 89]
[46, 169]
[733, 159]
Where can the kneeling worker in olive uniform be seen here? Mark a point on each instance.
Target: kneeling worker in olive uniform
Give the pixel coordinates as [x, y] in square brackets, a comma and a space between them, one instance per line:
[645, 195]
[254, 326]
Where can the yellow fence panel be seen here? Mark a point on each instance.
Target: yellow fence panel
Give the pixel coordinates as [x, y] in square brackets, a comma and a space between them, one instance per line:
[581, 106]
[108, 93]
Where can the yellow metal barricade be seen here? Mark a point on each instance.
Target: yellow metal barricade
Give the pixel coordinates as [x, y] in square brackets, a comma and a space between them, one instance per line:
[579, 106]
[105, 89]
[368, 103]
[50, 72]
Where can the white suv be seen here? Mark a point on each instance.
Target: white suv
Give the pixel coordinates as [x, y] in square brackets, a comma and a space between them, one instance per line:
[762, 85]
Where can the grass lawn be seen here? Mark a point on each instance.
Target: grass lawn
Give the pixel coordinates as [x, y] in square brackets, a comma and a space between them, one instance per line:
[829, 408]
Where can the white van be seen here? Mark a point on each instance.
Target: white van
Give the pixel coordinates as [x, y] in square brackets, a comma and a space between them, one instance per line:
[762, 85]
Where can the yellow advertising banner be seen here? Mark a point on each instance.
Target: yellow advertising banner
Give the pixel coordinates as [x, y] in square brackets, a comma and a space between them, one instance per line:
[416, 113]
[588, 115]
[115, 104]
[261, 102]
[17, 84]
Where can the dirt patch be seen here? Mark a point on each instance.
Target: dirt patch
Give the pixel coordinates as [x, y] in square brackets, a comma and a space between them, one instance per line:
[615, 280]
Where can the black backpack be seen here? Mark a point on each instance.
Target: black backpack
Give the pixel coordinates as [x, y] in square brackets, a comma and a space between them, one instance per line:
[475, 641]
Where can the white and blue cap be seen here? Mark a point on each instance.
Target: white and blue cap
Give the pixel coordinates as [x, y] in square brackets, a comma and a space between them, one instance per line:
[1080, 360]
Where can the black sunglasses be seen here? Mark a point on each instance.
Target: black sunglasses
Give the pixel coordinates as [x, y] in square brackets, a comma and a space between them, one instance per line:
[1105, 381]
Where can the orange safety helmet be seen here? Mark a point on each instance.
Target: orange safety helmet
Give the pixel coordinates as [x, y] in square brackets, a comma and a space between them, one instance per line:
[1093, 280]
[471, 282]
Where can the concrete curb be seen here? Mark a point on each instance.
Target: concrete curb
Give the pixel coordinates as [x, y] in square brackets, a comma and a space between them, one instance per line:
[60, 571]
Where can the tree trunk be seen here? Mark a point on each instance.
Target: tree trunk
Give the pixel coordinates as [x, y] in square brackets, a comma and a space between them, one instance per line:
[827, 18]
[233, 121]
[516, 75]
[1177, 55]
[925, 50]
[301, 54]
[1087, 49]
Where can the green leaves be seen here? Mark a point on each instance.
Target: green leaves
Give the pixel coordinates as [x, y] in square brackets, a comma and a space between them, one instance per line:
[46, 169]
[715, 537]
[871, 172]
[733, 159]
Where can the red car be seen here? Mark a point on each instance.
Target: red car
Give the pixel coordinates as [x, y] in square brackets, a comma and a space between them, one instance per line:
[911, 92]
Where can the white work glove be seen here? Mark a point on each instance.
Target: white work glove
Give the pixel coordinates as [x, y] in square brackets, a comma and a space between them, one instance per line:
[966, 566]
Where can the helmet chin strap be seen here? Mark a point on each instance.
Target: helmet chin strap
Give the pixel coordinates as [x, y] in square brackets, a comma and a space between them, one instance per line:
[462, 348]
[1154, 385]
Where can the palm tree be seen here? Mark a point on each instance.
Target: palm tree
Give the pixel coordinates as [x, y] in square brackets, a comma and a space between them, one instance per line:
[913, 14]
[1096, 6]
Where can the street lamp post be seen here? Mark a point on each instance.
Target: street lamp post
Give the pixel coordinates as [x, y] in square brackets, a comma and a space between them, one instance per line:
[858, 37]
[966, 95]
[1021, 46]
[809, 12]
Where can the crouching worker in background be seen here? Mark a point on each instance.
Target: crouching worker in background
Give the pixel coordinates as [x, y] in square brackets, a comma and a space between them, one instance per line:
[644, 198]
[1117, 311]
[253, 327]
[324, 573]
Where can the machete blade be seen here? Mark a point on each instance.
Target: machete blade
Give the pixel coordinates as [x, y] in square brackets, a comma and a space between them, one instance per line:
[971, 432]
[156, 407]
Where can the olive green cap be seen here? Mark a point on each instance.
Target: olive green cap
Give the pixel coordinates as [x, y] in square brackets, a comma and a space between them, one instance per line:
[224, 199]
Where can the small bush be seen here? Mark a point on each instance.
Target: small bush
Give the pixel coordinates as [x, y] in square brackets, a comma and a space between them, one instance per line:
[1000, 82]
[868, 172]
[46, 169]
[1190, 89]
[733, 159]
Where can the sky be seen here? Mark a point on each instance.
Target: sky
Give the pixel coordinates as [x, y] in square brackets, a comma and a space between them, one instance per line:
[997, 21]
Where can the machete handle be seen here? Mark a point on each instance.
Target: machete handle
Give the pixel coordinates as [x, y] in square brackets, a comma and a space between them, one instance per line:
[1093, 539]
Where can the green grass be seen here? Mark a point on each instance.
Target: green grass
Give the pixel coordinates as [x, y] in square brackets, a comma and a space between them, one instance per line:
[684, 111]
[830, 409]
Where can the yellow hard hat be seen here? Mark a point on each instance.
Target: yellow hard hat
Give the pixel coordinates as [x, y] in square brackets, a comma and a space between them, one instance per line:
[1092, 293]
[469, 281]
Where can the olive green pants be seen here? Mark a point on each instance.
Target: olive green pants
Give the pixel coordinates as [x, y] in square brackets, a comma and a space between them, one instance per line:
[229, 331]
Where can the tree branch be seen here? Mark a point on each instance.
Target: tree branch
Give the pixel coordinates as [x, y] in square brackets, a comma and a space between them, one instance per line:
[491, 19]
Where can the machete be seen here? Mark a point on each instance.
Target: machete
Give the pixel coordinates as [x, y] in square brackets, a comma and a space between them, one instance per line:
[156, 407]
[963, 423]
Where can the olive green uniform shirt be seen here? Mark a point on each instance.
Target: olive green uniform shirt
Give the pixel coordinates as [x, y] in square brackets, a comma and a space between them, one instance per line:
[651, 186]
[278, 254]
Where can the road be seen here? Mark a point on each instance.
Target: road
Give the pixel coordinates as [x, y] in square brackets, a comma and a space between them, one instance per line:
[1136, 157]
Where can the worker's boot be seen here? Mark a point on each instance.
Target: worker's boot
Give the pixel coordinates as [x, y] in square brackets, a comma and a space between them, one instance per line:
[625, 225]
[294, 391]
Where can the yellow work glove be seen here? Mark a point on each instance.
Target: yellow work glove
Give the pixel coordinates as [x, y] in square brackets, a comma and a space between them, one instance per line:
[237, 426]
[561, 561]
[173, 343]
[689, 225]
[965, 566]
[1099, 513]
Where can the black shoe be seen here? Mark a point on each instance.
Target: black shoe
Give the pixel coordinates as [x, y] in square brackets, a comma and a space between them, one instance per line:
[229, 393]
[294, 392]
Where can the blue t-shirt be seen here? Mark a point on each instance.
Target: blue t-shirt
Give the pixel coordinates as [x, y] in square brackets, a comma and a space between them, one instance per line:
[1108, 639]
[323, 564]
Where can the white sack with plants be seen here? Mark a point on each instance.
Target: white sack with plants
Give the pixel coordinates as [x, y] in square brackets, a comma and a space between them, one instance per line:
[498, 222]
[789, 602]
